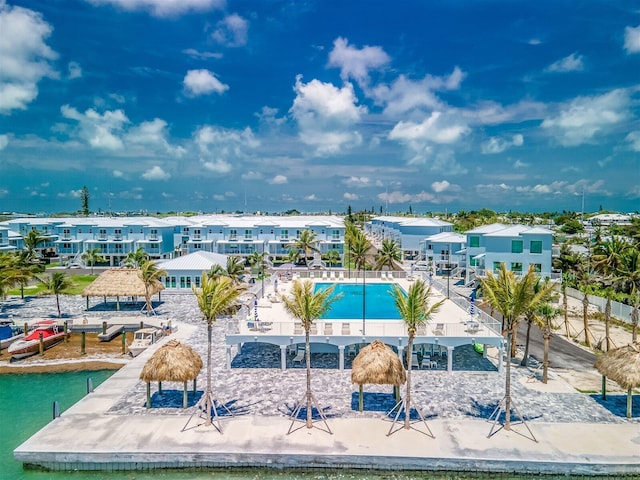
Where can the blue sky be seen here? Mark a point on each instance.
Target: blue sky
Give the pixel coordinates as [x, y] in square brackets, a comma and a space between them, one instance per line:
[271, 105]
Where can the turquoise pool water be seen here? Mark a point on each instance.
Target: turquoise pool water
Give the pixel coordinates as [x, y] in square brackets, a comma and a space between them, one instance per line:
[378, 305]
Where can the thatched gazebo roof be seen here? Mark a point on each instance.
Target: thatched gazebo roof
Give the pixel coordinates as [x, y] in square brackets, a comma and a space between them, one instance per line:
[120, 282]
[378, 364]
[621, 365]
[173, 362]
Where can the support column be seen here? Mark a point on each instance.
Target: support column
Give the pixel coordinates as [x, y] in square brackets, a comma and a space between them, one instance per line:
[484, 350]
[449, 359]
[341, 357]
[500, 358]
[228, 357]
[401, 353]
[283, 357]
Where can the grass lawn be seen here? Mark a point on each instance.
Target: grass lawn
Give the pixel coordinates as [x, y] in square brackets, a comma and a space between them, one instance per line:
[80, 282]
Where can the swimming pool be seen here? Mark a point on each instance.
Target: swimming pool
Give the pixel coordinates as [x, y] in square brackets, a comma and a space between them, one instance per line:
[379, 303]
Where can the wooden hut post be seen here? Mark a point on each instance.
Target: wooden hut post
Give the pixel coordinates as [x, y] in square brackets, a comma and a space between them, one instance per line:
[185, 396]
[104, 327]
[83, 340]
[629, 401]
[194, 386]
[604, 387]
[159, 388]
[148, 394]
[124, 341]
[87, 302]
[117, 303]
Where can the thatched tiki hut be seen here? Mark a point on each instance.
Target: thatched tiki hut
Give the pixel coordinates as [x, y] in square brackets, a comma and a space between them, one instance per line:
[173, 362]
[622, 365]
[377, 364]
[120, 282]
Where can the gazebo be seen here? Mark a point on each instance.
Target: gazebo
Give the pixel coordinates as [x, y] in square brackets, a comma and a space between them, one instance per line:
[377, 364]
[622, 365]
[173, 362]
[120, 282]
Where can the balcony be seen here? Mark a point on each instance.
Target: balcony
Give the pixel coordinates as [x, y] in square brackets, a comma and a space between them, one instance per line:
[154, 237]
[117, 237]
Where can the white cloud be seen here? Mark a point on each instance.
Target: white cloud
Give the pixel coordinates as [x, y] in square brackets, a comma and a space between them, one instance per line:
[217, 165]
[350, 196]
[357, 182]
[3, 192]
[439, 187]
[583, 118]
[25, 56]
[202, 82]
[326, 115]
[632, 39]
[218, 146]
[163, 8]
[311, 197]
[153, 134]
[438, 128]
[4, 141]
[278, 180]
[74, 70]
[231, 31]
[355, 63]
[252, 175]
[570, 63]
[99, 131]
[534, 41]
[192, 52]
[117, 174]
[401, 197]
[156, 173]
[498, 145]
[633, 138]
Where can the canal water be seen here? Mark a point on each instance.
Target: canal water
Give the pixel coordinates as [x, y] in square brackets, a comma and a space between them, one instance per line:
[26, 405]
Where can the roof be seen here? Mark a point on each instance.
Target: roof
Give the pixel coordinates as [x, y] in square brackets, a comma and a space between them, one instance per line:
[621, 365]
[120, 282]
[173, 362]
[447, 237]
[198, 261]
[378, 364]
[494, 227]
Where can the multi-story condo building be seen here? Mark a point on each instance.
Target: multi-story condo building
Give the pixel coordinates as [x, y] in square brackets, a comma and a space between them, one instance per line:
[445, 251]
[518, 246]
[408, 232]
[4, 240]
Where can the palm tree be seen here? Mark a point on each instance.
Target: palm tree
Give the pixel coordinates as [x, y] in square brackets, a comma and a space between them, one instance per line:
[359, 250]
[608, 256]
[568, 263]
[150, 274]
[585, 282]
[388, 256]
[258, 260]
[215, 296]
[293, 256]
[511, 297]
[544, 292]
[11, 272]
[25, 269]
[57, 284]
[414, 309]
[235, 267]
[629, 278]
[544, 318]
[332, 257]
[32, 240]
[306, 243]
[92, 256]
[136, 259]
[306, 305]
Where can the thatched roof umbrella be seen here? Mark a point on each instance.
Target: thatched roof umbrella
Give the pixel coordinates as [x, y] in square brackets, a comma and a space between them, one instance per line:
[173, 362]
[378, 364]
[120, 282]
[622, 365]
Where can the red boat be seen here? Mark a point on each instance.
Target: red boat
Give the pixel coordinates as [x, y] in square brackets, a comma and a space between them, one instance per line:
[51, 333]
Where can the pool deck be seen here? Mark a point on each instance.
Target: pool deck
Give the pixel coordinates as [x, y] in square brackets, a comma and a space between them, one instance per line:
[90, 436]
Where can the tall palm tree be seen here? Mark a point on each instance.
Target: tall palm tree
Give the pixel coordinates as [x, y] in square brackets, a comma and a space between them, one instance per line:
[585, 282]
[92, 256]
[11, 272]
[26, 269]
[359, 250]
[568, 263]
[235, 267]
[388, 256]
[414, 309]
[215, 296]
[332, 257]
[32, 241]
[544, 290]
[258, 260]
[306, 305]
[608, 256]
[150, 274]
[629, 278]
[546, 314]
[293, 256]
[306, 243]
[510, 296]
[136, 259]
[57, 284]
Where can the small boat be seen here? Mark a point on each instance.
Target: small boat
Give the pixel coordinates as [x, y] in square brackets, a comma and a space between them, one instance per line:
[51, 333]
[144, 338]
[9, 333]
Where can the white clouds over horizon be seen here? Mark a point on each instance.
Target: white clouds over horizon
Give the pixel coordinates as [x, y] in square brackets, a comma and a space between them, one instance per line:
[26, 57]
[498, 145]
[570, 63]
[632, 39]
[101, 131]
[156, 173]
[231, 31]
[356, 63]
[163, 8]
[202, 82]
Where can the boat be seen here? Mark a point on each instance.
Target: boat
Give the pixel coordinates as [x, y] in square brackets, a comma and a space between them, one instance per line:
[51, 333]
[143, 339]
[9, 333]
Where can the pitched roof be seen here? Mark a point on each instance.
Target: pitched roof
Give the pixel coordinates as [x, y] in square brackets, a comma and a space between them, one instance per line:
[198, 261]
[120, 282]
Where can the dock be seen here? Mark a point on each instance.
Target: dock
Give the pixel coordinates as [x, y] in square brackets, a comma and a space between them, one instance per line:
[110, 333]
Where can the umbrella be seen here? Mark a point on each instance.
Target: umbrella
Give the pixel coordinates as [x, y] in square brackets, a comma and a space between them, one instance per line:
[622, 365]
[255, 310]
[377, 364]
[275, 285]
[472, 299]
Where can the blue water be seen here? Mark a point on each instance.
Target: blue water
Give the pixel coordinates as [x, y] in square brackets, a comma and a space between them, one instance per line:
[26, 406]
[378, 305]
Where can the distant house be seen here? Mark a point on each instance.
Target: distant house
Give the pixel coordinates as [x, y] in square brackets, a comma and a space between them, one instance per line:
[444, 250]
[518, 246]
[186, 271]
[4, 240]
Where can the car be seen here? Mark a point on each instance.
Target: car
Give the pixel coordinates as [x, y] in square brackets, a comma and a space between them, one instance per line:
[421, 266]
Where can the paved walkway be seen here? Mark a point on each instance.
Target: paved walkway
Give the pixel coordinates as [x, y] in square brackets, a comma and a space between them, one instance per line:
[575, 431]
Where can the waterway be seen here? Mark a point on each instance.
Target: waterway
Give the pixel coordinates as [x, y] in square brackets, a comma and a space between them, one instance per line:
[26, 405]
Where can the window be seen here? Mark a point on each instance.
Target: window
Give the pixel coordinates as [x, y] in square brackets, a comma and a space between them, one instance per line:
[248, 234]
[335, 234]
[496, 266]
[537, 267]
[197, 281]
[516, 267]
[516, 246]
[182, 282]
[188, 282]
[173, 282]
[284, 234]
[472, 262]
[474, 241]
[536, 246]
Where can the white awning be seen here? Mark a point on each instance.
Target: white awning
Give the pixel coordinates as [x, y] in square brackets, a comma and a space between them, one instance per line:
[479, 256]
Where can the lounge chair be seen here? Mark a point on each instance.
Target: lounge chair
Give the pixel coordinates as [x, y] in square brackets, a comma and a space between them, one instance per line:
[346, 330]
[389, 276]
[421, 330]
[328, 328]
[383, 275]
[350, 351]
[312, 275]
[341, 277]
[414, 361]
[299, 358]
[324, 275]
[332, 276]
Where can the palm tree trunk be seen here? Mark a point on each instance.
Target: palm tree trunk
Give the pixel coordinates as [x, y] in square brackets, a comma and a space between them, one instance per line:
[566, 314]
[585, 319]
[407, 398]
[507, 384]
[514, 339]
[634, 322]
[307, 352]
[58, 305]
[545, 361]
[208, 407]
[607, 320]
[525, 358]
[147, 298]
